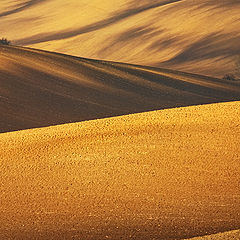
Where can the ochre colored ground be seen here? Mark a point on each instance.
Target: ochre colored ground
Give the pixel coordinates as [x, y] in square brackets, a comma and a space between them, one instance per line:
[232, 235]
[169, 174]
[196, 36]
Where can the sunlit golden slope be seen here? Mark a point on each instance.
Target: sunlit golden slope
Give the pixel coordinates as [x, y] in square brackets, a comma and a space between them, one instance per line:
[41, 89]
[167, 174]
[197, 36]
[232, 235]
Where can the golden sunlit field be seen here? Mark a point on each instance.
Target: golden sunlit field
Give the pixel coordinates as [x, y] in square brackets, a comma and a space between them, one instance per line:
[197, 36]
[116, 121]
[166, 174]
[233, 235]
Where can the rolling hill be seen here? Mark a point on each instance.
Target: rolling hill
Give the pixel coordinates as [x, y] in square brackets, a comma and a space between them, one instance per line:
[115, 122]
[168, 174]
[197, 36]
[40, 88]
[231, 235]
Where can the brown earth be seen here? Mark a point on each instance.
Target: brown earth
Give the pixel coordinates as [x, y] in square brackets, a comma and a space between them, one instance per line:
[232, 235]
[167, 174]
[39, 88]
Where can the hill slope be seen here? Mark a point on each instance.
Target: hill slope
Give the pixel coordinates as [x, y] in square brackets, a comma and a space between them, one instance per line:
[167, 174]
[232, 235]
[197, 36]
[40, 88]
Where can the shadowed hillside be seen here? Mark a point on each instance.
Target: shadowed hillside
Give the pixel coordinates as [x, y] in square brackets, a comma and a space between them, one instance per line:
[119, 119]
[40, 88]
[168, 174]
[197, 36]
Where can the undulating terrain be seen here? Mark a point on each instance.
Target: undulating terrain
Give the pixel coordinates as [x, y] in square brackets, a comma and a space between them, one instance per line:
[115, 121]
[40, 88]
[232, 235]
[197, 36]
[168, 174]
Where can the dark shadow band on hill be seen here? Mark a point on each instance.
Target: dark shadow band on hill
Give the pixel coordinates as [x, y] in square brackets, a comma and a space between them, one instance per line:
[118, 16]
[40, 88]
[214, 45]
[21, 7]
